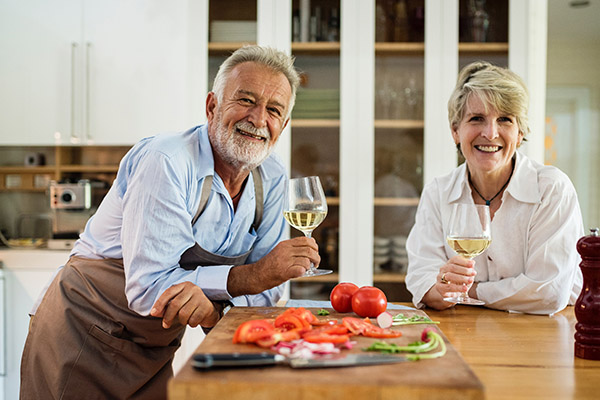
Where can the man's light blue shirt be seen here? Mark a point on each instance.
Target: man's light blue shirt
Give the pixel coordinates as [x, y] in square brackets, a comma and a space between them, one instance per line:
[145, 219]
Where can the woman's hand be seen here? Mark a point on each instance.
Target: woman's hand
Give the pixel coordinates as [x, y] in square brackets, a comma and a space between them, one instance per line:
[457, 275]
[188, 304]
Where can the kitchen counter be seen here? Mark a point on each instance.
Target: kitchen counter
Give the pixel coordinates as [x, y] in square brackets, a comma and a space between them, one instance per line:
[33, 258]
[514, 356]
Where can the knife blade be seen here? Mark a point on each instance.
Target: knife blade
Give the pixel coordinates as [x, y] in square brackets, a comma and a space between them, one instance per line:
[206, 361]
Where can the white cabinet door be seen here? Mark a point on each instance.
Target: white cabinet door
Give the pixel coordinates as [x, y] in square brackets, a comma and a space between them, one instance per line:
[136, 63]
[36, 71]
[22, 289]
[95, 72]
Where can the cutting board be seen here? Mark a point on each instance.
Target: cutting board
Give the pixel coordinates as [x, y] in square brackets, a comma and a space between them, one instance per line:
[448, 377]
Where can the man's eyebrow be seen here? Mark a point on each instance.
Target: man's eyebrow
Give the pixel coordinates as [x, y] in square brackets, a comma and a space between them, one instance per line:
[252, 94]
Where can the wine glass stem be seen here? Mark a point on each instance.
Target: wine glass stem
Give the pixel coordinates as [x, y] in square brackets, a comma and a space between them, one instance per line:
[465, 295]
[312, 269]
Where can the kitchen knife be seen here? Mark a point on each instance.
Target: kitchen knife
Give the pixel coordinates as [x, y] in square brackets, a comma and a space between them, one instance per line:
[205, 361]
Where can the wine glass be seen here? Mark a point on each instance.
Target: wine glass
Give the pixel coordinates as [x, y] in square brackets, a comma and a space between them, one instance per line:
[306, 209]
[469, 235]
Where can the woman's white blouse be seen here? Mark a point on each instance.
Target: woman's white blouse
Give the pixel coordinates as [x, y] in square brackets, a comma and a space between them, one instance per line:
[532, 264]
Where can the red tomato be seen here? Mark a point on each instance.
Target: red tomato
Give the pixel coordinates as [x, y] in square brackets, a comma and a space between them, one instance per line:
[321, 337]
[273, 339]
[251, 331]
[369, 301]
[364, 327]
[289, 321]
[341, 296]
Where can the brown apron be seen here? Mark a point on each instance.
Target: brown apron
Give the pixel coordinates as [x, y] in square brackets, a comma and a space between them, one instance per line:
[85, 342]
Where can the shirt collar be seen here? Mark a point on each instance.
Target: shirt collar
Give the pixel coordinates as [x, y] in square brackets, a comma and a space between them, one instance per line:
[523, 185]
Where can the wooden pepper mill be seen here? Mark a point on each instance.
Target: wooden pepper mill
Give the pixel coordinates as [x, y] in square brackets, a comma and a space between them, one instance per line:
[587, 307]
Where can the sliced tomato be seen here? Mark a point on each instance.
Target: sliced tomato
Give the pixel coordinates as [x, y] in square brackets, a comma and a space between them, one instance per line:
[355, 325]
[288, 321]
[331, 329]
[281, 336]
[364, 327]
[377, 332]
[252, 331]
[321, 337]
[301, 313]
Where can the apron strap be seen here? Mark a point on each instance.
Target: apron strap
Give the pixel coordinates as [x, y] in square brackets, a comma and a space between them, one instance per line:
[205, 194]
[258, 193]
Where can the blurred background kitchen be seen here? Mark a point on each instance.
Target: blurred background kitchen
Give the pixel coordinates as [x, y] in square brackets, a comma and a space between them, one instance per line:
[81, 81]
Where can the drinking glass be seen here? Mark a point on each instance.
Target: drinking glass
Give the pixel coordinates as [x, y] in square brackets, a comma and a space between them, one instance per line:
[469, 235]
[306, 209]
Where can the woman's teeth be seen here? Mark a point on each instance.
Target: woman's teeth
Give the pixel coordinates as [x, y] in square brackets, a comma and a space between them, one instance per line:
[488, 149]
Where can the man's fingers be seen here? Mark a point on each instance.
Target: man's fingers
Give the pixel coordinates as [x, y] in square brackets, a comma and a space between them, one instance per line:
[159, 306]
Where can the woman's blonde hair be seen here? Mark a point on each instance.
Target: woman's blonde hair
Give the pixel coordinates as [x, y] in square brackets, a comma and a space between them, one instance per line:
[497, 87]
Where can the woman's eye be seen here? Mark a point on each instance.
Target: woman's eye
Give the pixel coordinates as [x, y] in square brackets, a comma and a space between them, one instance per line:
[506, 119]
[476, 118]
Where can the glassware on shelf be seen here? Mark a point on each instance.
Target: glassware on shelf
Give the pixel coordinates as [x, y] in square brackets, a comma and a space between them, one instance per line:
[480, 21]
[401, 28]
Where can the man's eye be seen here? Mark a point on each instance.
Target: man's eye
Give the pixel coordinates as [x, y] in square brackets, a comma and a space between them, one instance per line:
[246, 100]
[274, 111]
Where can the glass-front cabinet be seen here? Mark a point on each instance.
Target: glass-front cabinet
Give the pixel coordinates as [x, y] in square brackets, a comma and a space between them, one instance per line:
[370, 115]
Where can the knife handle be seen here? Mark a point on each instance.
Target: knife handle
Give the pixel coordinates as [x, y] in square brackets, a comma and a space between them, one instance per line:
[228, 360]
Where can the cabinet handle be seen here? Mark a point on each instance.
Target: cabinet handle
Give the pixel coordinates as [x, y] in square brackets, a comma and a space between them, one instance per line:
[73, 82]
[88, 136]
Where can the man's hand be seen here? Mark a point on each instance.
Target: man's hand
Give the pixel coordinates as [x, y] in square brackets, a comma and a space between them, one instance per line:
[289, 259]
[188, 304]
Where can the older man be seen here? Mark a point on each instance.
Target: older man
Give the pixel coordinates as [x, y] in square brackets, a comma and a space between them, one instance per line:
[193, 219]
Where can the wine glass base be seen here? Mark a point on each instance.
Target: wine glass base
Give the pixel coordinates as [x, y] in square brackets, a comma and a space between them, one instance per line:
[464, 300]
[315, 272]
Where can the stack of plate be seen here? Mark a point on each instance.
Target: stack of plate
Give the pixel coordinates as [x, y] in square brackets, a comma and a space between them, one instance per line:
[317, 104]
[233, 31]
[399, 255]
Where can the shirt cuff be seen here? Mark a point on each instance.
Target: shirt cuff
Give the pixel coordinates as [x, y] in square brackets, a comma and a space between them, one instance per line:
[213, 281]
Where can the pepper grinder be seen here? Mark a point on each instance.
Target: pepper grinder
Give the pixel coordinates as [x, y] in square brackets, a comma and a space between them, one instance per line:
[587, 307]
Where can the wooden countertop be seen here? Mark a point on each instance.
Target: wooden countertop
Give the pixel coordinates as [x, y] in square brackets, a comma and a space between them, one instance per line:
[513, 356]
[519, 356]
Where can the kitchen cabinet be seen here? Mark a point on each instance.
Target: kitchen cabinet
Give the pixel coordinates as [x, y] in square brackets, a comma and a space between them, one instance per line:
[26, 273]
[96, 72]
[391, 135]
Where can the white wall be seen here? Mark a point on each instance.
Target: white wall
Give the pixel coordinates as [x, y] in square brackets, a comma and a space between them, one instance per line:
[577, 66]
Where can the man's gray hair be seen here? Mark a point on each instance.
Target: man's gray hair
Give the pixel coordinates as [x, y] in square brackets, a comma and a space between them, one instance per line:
[272, 58]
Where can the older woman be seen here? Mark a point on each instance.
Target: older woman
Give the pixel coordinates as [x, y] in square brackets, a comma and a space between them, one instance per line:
[531, 265]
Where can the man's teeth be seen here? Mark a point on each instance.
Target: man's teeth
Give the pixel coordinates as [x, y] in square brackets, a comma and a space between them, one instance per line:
[250, 135]
[488, 149]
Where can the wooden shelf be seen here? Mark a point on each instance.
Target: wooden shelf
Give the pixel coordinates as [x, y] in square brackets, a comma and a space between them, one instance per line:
[90, 168]
[409, 48]
[315, 123]
[315, 47]
[50, 169]
[224, 48]
[396, 201]
[399, 124]
[474, 48]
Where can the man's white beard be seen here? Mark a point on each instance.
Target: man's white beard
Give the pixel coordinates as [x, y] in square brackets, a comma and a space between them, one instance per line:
[238, 151]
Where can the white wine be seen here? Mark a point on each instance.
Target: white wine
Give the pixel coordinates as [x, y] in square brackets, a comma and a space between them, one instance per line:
[305, 221]
[469, 247]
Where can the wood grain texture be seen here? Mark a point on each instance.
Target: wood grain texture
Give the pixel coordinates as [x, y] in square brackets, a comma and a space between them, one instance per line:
[519, 356]
[448, 377]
